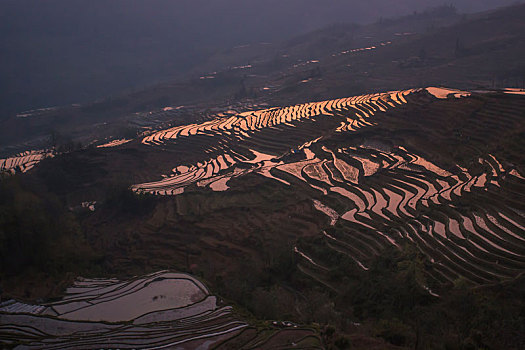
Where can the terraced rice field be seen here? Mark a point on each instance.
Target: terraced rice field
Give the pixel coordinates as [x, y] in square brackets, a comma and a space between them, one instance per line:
[247, 131]
[362, 49]
[114, 143]
[23, 162]
[379, 194]
[161, 310]
[515, 91]
[359, 176]
[409, 198]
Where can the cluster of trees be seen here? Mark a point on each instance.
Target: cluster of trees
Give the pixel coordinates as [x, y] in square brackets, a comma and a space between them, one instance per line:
[38, 234]
[41, 236]
[126, 203]
[390, 301]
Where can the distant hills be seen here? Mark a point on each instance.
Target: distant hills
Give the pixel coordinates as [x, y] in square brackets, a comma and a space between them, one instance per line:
[438, 47]
[70, 51]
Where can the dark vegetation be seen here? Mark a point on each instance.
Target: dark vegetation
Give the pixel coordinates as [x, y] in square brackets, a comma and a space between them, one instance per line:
[387, 301]
[39, 238]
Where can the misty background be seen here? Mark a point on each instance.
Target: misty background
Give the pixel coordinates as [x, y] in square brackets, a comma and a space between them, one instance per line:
[58, 52]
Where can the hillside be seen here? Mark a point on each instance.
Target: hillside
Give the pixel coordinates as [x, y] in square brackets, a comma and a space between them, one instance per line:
[429, 49]
[422, 187]
[359, 187]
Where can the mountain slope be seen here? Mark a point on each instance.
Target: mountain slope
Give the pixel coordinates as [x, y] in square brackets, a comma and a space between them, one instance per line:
[419, 191]
[297, 188]
[477, 51]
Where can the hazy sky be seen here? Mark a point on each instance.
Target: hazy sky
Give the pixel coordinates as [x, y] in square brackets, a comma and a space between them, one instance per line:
[66, 51]
[226, 21]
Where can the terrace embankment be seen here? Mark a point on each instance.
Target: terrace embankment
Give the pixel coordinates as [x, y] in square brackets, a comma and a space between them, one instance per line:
[413, 166]
[390, 194]
[160, 310]
[289, 210]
